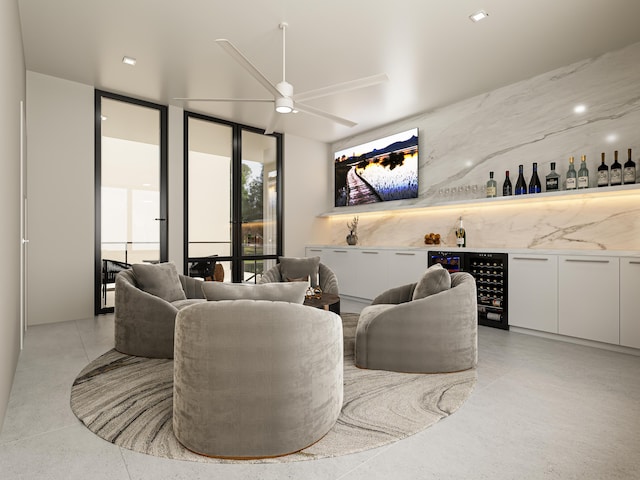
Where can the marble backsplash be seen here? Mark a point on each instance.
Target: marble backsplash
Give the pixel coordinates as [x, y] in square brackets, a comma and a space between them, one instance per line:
[530, 121]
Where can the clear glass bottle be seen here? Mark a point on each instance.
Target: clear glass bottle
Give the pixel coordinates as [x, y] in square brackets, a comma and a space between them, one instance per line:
[629, 172]
[461, 235]
[534, 184]
[583, 173]
[521, 185]
[603, 173]
[572, 177]
[552, 180]
[492, 186]
[507, 189]
[615, 174]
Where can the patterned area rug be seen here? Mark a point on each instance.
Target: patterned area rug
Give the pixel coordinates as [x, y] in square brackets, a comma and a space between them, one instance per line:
[128, 401]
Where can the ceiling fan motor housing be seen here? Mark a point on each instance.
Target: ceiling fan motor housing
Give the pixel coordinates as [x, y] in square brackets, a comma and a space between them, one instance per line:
[284, 104]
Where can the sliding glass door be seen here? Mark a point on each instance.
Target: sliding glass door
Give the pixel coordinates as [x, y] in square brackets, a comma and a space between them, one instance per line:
[232, 201]
[131, 203]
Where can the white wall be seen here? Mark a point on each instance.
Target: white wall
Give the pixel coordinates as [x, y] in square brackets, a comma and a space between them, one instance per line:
[60, 174]
[307, 192]
[12, 91]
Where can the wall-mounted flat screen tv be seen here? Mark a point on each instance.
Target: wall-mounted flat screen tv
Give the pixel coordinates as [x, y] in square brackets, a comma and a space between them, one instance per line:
[378, 171]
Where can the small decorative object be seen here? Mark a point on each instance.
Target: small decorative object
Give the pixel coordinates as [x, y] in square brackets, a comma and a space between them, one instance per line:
[317, 292]
[432, 239]
[310, 293]
[352, 238]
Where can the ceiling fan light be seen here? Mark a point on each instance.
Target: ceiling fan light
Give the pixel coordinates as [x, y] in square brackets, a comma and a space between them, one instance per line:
[284, 105]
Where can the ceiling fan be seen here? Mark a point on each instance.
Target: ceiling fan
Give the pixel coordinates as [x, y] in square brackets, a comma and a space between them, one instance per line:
[285, 101]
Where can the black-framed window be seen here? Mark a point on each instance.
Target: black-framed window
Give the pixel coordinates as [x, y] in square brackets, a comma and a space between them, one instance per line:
[131, 224]
[232, 197]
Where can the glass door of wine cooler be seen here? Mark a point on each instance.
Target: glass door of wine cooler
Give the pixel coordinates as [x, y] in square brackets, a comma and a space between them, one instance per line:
[490, 272]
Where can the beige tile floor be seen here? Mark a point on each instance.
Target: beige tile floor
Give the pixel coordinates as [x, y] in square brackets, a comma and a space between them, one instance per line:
[542, 409]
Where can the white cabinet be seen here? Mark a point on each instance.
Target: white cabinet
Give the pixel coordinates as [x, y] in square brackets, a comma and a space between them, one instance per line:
[533, 292]
[630, 302]
[342, 262]
[371, 272]
[406, 266]
[588, 297]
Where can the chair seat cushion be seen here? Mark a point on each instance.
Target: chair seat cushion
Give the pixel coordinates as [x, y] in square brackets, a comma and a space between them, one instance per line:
[160, 279]
[292, 292]
[435, 280]
[180, 304]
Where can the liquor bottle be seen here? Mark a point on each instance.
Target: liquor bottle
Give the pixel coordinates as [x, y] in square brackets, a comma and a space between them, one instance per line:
[583, 173]
[603, 174]
[521, 185]
[507, 190]
[552, 180]
[572, 181]
[492, 186]
[615, 175]
[534, 183]
[461, 235]
[629, 173]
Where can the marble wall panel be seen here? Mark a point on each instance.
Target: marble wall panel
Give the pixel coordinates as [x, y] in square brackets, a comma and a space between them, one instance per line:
[530, 121]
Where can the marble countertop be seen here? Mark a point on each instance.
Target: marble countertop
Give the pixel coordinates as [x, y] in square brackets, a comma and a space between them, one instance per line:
[511, 251]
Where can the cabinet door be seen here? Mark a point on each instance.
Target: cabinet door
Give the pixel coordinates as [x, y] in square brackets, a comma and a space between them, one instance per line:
[342, 262]
[589, 300]
[630, 302]
[533, 292]
[371, 272]
[406, 266]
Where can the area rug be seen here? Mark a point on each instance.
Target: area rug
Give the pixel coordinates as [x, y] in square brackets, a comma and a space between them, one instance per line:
[127, 401]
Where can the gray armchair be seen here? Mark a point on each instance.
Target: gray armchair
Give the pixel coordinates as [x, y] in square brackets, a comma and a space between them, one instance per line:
[326, 278]
[144, 323]
[434, 334]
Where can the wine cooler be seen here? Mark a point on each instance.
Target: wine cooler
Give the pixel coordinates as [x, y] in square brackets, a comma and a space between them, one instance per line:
[490, 273]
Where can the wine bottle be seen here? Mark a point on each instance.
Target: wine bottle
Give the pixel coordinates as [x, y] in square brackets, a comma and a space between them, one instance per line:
[572, 180]
[534, 183]
[521, 185]
[507, 189]
[615, 175]
[492, 186]
[552, 180]
[629, 173]
[603, 173]
[583, 173]
[461, 235]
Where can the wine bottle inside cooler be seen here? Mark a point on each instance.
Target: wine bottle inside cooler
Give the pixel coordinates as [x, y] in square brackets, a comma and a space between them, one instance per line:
[534, 184]
[629, 172]
[603, 173]
[521, 185]
[615, 174]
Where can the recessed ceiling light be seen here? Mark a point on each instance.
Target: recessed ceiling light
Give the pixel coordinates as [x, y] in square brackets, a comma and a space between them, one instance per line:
[580, 109]
[479, 15]
[129, 60]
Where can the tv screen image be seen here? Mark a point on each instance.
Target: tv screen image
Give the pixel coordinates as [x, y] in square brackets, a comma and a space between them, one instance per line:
[378, 171]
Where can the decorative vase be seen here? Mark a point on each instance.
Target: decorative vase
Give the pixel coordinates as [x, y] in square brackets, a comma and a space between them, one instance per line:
[352, 238]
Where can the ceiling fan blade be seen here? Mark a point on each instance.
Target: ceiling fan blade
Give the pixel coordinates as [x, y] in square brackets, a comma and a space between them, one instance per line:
[248, 66]
[188, 99]
[273, 123]
[323, 114]
[342, 87]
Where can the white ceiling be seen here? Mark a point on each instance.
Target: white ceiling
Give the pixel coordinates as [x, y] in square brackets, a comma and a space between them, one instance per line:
[433, 54]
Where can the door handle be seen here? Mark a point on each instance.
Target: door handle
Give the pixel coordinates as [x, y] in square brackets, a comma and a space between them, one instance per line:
[161, 219]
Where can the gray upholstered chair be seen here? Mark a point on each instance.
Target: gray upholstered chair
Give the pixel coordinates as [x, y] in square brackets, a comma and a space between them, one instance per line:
[327, 280]
[256, 378]
[144, 323]
[434, 334]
